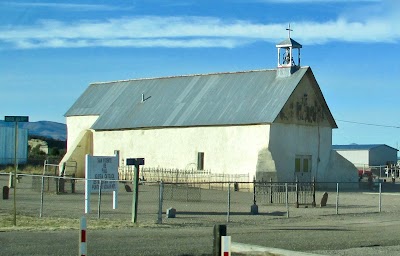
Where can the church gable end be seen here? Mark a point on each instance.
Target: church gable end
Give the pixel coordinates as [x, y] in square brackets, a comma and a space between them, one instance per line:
[306, 105]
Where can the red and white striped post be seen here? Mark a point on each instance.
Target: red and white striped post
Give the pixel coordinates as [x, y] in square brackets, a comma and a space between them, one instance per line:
[225, 245]
[82, 237]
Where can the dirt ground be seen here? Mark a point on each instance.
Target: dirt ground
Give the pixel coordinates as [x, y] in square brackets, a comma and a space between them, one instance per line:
[359, 226]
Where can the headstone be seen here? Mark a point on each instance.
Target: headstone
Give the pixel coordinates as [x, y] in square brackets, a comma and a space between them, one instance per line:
[254, 209]
[171, 212]
[61, 185]
[128, 188]
[6, 191]
[324, 199]
[236, 186]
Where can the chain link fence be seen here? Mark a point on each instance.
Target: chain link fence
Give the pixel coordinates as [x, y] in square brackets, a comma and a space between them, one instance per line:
[194, 203]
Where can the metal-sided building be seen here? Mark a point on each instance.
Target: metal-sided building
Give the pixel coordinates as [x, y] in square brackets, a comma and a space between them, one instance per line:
[7, 145]
[271, 124]
[368, 154]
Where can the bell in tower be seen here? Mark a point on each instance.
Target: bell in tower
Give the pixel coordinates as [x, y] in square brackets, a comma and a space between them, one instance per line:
[288, 49]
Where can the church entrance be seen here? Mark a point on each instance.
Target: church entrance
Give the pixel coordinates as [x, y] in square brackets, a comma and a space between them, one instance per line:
[302, 171]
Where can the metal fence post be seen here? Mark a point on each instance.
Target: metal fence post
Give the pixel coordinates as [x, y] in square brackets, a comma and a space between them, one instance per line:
[270, 191]
[297, 193]
[229, 202]
[160, 202]
[11, 180]
[99, 202]
[337, 198]
[313, 192]
[287, 200]
[73, 183]
[254, 191]
[380, 197]
[41, 198]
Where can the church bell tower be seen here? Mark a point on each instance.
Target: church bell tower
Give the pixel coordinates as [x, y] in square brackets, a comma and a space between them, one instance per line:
[288, 49]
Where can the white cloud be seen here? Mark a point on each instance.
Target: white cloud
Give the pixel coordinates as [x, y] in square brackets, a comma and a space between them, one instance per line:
[74, 7]
[179, 32]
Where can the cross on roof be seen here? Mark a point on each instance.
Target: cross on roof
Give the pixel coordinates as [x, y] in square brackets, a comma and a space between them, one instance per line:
[289, 29]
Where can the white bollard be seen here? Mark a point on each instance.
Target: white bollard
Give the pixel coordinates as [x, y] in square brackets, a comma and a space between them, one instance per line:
[82, 237]
[225, 245]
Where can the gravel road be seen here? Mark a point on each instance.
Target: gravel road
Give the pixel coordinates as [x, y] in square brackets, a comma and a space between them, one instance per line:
[360, 234]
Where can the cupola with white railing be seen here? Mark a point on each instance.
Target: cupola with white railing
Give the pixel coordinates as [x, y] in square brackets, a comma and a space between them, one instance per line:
[288, 55]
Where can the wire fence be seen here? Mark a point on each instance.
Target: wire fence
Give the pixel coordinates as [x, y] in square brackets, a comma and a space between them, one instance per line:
[180, 203]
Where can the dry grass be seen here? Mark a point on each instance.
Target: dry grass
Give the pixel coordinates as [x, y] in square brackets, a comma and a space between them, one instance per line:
[49, 223]
[27, 169]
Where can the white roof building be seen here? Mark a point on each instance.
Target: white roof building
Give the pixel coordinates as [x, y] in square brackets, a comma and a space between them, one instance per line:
[368, 155]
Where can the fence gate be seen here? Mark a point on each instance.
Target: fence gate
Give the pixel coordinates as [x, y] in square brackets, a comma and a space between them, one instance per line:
[299, 193]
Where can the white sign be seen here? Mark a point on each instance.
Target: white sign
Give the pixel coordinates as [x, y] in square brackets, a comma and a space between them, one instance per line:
[101, 170]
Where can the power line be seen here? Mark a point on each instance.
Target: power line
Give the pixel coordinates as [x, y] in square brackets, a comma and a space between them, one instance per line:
[379, 125]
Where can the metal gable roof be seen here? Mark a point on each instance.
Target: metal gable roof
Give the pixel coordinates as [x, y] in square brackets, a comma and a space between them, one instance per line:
[249, 97]
[289, 42]
[359, 147]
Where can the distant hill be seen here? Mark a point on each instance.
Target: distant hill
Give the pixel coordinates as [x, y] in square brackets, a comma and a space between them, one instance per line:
[47, 129]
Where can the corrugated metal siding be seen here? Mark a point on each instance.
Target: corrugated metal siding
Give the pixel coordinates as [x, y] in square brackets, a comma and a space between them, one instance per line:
[7, 145]
[198, 100]
[382, 155]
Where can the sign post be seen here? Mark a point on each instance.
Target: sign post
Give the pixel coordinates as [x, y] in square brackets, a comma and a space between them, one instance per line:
[15, 119]
[82, 237]
[136, 162]
[100, 173]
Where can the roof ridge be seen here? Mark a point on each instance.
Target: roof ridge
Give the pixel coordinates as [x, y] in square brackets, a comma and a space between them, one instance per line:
[189, 75]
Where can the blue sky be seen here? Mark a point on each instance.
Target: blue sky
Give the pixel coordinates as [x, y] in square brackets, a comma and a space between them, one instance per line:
[51, 50]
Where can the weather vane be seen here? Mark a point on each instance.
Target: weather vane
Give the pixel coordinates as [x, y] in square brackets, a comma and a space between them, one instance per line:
[289, 29]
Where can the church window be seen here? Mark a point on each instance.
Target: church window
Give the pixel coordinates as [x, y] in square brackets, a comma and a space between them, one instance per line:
[200, 161]
[302, 163]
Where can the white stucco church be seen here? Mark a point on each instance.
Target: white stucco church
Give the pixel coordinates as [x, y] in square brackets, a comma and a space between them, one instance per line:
[272, 123]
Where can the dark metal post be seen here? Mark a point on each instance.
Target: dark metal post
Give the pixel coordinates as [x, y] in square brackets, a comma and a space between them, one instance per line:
[313, 192]
[73, 183]
[380, 197]
[287, 200]
[99, 202]
[270, 191]
[135, 198]
[337, 198]
[297, 193]
[254, 207]
[160, 202]
[219, 230]
[135, 194]
[254, 190]
[41, 197]
[229, 202]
